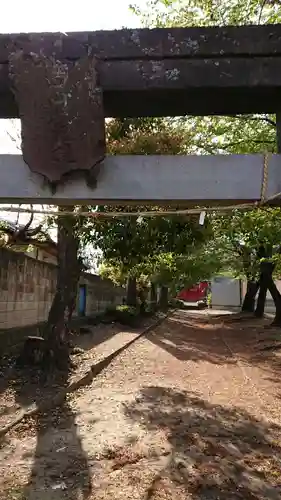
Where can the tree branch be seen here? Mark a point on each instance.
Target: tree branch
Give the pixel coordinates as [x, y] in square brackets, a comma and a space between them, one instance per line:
[27, 226]
[255, 141]
[210, 149]
[255, 118]
[18, 216]
[261, 11]
[33, 232]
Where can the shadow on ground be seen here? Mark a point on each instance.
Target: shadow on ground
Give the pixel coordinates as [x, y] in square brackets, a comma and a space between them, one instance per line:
[219, 341]
[90, 336]
[60, 467]
[13, 379]
[216, 452]
[190, 338]
[59, 464]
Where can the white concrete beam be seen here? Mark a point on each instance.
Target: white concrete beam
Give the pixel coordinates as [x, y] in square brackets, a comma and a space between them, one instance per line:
[148, 179]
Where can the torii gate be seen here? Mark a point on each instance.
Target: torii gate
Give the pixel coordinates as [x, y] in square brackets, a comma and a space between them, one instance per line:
[132, 73]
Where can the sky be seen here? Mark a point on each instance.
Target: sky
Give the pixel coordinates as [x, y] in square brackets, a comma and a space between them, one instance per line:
[63, 15]
[18, 16]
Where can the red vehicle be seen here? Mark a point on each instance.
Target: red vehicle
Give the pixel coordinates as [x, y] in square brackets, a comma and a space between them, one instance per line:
[197, 294]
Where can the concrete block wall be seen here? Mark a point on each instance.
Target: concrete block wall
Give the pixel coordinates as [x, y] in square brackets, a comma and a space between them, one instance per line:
[27, 287]
[99, 294]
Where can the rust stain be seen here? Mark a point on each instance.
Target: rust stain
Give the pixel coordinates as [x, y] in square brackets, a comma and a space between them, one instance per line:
[62, 113]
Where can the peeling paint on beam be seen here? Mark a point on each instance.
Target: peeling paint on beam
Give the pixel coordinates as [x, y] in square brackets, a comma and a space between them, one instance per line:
[151, 43]
[148, 179]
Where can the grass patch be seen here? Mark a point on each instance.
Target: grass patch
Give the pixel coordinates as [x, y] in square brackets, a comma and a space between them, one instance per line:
[128, 315]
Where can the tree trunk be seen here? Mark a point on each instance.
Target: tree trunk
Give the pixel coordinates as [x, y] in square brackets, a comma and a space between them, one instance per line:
[56, 332]
[259, 312]
[277, 301]
[163, 299]
[249, 299]
[132, 291]
[153, 295]
[267, 283]
[142, 298]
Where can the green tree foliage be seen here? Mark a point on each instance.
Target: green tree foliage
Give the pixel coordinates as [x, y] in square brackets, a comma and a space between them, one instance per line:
[242, 233]
[130, 241]
[135, 247]
[167, 13]
[213, 135]
[238, 236]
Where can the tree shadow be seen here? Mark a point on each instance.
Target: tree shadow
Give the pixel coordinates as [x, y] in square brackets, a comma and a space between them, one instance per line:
[216, 452]
[14, 380]
[211, 339]
[91, 336]
[190, 339]
[21, 387]
[60, 466]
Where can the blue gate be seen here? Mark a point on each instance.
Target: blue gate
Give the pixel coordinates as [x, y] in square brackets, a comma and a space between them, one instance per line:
[82, 300]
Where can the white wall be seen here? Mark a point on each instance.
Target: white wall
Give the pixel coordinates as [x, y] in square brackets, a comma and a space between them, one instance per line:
[226, 292]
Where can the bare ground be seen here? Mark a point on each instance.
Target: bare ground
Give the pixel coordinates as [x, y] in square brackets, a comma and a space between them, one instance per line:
[190, 411]
[21, 389]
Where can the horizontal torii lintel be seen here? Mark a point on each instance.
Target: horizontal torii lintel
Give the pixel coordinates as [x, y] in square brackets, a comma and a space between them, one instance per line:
[165, 179]
[165, 71]
[207, 41]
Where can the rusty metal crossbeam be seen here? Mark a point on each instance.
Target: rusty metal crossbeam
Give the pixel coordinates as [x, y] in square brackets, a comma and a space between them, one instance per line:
[167, 72]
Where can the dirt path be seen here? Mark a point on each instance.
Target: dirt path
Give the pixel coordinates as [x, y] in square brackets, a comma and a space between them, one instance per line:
[191, 411]
[19, 391]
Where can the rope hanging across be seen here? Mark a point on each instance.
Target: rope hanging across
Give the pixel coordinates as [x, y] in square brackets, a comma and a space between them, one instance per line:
[264, 182]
